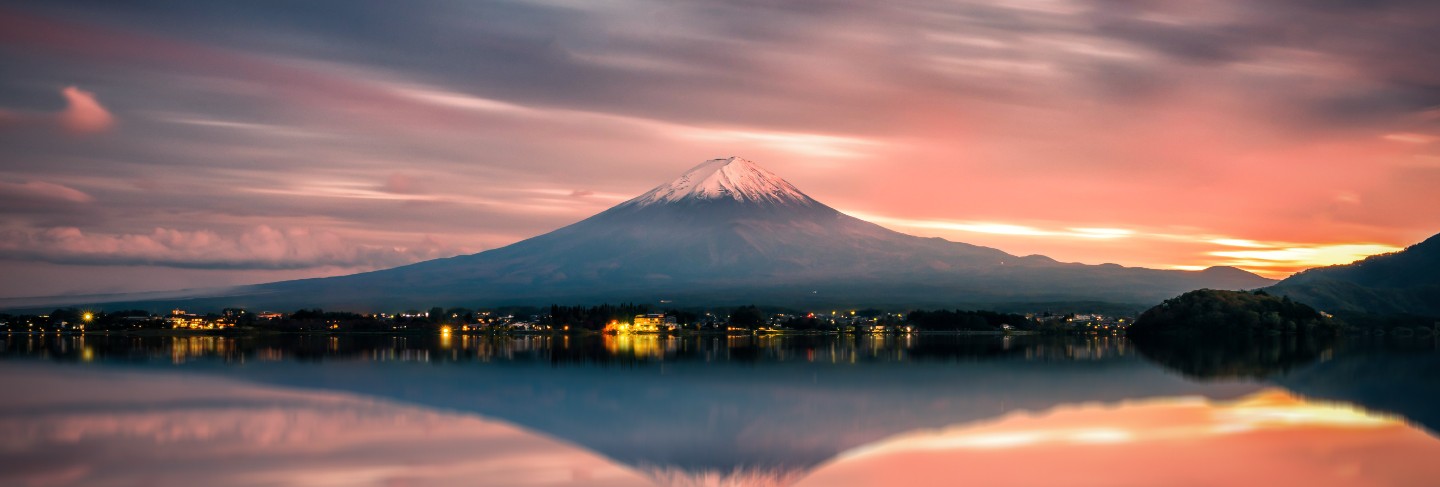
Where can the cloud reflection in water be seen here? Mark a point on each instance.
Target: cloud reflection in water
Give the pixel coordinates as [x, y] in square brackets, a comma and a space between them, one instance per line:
[1269, 438]
[114, 428]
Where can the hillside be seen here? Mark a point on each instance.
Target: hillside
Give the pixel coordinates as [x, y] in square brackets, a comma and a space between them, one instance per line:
[1213, 313]
[1405, 282]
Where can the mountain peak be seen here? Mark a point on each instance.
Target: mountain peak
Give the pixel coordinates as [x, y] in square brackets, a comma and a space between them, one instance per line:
[730, 178]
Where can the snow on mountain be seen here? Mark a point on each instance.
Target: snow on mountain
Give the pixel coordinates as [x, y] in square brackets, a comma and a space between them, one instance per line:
[729, 178]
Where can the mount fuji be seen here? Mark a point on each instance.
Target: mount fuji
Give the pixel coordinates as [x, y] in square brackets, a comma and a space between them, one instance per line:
[731, 232]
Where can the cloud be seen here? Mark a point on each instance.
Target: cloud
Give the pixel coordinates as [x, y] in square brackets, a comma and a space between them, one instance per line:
[1033, 126]
[1190, 250]
[1293, 257]
[1411, 138]
[83, 115]
[41, 191]
[998, 228]
[399, 184]
[260, 247]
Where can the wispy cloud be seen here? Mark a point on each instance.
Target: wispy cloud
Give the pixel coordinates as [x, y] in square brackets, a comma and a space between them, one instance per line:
[43, 191]
[1293, 257]
[1201, 250]
[1143, 133]
[261, 247]
[999, 228]
[796, 143]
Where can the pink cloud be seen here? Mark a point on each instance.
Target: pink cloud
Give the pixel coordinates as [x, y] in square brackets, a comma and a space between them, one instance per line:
[399, 184]
[1020, 136]
[260, 247]
[357, 100]
[84, 115]
[40, 190]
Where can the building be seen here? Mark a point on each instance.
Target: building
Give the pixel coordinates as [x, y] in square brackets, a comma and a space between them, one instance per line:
[653, 322]
[642, 323]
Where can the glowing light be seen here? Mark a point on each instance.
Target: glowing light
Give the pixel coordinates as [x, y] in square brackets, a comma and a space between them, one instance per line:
[1239, 242]
[818, 145]
[996, 228]
[1277, 409]
[1189, 419]
[1410, 138]
[1306, 256]
[1102, 232]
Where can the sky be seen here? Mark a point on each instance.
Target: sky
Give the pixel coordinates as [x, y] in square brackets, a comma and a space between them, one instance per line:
[153, 145]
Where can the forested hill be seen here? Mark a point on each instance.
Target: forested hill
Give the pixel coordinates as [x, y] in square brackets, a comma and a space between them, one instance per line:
[1209, 312]
[1405, 282]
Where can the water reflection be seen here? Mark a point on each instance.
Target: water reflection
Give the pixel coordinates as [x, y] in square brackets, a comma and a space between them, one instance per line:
[715, 410]
[1269, 438]
[588, 349]
[1390, 375]
[1209, 358]
[116, 428]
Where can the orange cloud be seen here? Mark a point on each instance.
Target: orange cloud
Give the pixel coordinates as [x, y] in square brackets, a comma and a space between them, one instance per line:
[84, 115]
[1295, 258]
[1192, 249]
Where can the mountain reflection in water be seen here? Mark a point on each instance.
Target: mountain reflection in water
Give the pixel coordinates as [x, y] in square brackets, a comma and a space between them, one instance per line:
[647, 410]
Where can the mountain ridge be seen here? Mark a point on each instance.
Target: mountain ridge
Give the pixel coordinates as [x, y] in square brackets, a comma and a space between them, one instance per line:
[1404, 282]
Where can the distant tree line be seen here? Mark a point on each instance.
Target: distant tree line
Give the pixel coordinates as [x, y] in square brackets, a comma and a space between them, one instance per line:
[592, 317]
[961, 320]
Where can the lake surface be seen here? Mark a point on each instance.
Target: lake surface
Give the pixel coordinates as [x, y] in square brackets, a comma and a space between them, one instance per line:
[419, 410]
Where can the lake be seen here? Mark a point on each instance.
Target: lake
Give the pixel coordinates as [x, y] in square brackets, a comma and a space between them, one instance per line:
[814, 410]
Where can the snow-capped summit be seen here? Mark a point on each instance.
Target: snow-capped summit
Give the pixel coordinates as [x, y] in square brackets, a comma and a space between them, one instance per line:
[730, 178]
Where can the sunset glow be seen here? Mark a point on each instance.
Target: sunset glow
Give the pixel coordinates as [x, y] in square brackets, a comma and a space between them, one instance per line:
[345, 138]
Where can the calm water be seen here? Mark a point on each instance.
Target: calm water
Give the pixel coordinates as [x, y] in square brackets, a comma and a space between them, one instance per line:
[358, 410]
